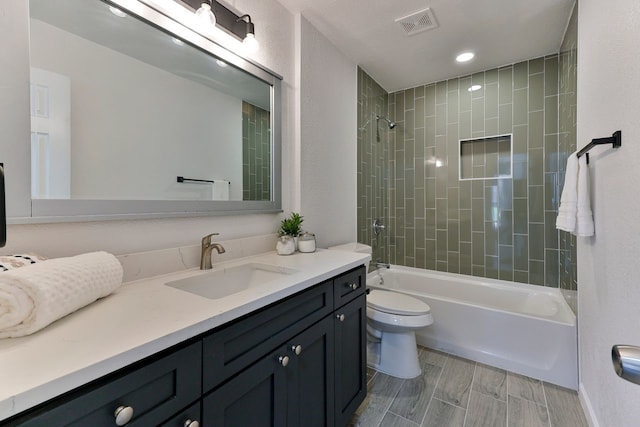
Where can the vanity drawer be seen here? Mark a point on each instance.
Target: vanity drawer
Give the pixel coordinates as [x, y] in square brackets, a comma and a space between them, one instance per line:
[229, 350]
[155, 392]
[349, 286]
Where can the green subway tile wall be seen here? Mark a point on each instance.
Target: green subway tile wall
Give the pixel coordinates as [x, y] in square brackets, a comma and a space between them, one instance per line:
[373, 164]
[502, 228]
[566, 144]
[256, 153]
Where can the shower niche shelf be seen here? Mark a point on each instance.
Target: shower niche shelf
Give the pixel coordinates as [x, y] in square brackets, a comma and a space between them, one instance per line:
[488, 157]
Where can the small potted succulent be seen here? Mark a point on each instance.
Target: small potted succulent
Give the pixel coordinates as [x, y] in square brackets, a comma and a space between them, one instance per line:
[290, 229]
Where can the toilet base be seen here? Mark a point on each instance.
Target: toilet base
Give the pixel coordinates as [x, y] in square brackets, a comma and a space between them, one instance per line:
[396, 354]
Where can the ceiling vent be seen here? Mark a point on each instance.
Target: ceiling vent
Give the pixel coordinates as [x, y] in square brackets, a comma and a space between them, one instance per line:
[418, 22]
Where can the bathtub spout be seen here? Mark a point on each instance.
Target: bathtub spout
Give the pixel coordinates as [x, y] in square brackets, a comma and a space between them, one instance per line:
[382, 264]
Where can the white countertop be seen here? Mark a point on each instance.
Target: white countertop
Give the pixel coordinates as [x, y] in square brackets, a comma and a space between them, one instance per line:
[140, 319]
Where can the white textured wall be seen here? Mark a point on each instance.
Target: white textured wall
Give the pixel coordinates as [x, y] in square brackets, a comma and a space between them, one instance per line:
[275, 30]
[328, 92]
[608, 264]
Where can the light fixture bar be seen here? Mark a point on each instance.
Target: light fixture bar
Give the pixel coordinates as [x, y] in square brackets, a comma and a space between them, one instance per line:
[225, 18]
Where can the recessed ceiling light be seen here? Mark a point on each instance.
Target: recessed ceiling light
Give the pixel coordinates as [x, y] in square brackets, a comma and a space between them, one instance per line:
[221, 63]
[117, 12]
[177, 41]
[474, 88]
[465, 57]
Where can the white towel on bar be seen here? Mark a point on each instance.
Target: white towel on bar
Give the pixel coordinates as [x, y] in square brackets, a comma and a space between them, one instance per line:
[32, 297]
[221, 189]
[584, 215]
[567, 211]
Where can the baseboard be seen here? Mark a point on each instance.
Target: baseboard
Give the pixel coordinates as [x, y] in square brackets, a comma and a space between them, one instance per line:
[587, 407]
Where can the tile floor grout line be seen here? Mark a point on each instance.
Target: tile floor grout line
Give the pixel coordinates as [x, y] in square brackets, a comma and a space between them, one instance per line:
[433, 393]
[400, 416]
[388, 406]
[546, 402]
[506, 386]
[466, 411]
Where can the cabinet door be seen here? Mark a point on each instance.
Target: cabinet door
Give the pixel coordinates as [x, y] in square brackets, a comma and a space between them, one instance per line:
[310, 377]
[256, 397]
[350, 364]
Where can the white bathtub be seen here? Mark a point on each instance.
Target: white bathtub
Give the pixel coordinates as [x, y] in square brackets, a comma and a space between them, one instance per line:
[522, 328]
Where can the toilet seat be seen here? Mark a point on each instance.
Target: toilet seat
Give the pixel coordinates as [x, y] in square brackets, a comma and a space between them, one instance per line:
[397, 322]
[396, 303]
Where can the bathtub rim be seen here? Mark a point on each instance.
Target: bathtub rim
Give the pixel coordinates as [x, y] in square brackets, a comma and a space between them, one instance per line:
[554, 293]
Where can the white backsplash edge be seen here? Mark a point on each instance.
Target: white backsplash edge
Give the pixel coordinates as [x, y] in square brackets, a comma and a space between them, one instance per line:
[142, 265]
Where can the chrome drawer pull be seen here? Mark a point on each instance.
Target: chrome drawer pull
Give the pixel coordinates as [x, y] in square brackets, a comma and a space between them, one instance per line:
[123, 415]
[340, 317]
[190, 423]
[297, 349]
[352, 286]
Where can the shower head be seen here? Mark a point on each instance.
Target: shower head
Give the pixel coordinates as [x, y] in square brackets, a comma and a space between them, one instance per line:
[390, 123]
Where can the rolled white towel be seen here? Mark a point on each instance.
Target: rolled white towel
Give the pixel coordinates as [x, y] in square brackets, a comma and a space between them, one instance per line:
[32, 297]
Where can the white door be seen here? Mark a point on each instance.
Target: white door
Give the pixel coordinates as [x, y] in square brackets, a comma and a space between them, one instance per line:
[50, 135]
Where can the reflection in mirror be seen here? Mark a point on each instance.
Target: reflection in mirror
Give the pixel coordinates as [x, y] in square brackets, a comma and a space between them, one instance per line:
[120, 109]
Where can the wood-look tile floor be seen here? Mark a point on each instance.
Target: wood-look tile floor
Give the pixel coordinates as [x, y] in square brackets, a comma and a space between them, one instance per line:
[456, 392]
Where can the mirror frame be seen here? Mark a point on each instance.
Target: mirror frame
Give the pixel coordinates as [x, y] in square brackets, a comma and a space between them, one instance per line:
[71, 210]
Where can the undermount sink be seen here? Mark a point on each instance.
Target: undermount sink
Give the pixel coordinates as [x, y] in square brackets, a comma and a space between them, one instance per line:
[222, 282]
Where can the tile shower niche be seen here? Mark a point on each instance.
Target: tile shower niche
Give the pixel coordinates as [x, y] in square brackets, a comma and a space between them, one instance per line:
[486, 158]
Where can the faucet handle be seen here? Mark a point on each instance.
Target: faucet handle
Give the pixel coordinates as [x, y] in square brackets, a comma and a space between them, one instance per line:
[207, 239]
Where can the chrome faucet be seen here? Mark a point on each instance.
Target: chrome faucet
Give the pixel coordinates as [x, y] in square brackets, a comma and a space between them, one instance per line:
[207, 247]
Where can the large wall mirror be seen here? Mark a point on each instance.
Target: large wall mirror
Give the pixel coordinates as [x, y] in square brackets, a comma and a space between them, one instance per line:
[133, 113]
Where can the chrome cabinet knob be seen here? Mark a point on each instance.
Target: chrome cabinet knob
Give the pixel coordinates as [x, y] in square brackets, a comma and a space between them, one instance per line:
[297, 349]
[340, 317]
[190, 423]
[353, 286]
[123, 415]
[284, 360]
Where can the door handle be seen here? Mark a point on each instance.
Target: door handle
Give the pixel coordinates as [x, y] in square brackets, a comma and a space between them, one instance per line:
[626, 362]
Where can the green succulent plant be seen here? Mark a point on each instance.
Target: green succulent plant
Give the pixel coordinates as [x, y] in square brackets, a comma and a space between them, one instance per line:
[291, 226]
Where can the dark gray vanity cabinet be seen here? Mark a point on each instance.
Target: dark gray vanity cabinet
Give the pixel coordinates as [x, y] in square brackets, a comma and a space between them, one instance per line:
[299, 362]
[317, 378]
[351, 359]
[291, 386]
[153, 393]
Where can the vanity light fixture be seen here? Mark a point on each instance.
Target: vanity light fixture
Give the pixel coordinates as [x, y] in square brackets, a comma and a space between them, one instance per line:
[117, 12]
[237, 24]
[250, 43]
[465, 57]
[205, 14]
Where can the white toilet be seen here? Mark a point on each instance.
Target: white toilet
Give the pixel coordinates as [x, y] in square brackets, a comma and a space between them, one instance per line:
[392, 319]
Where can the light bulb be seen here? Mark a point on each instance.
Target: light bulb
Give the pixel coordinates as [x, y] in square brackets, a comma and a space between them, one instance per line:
[250, 43]
[117, 12]
[205, 14]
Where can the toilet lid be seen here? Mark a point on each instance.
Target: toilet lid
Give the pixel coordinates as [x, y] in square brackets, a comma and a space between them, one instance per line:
[396, 303]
